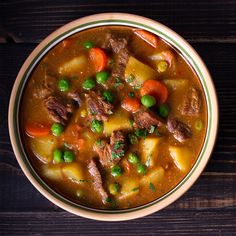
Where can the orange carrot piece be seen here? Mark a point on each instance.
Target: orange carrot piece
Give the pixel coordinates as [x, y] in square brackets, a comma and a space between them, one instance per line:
[156, 89]
[131, 104]
[147, 37]
[37, 129]
[98, 58]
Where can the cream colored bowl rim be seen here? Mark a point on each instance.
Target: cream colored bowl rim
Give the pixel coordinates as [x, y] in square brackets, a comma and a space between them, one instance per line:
[105, 19]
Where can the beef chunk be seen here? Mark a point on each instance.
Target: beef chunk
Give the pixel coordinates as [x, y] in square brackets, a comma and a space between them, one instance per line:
[75, 96]
[146, 119]
[110, 154]
[120, 63]
[118, 145]
[59, 109]
[103, 150]
[97, 177]
[192, 103]
[118, 43]
[180, 130]
[98, 107]
[46, 87]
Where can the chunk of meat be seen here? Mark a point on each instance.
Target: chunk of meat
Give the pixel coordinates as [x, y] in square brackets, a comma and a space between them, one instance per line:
[180, 130]
[110, 154]
[103, 150]
[121, 61]
[97, 177]
[75, 96]
[118, 43]
[146, 119]
[98, 107]
[192, 103]
[118, 145]
[46, 87]
[59, 109]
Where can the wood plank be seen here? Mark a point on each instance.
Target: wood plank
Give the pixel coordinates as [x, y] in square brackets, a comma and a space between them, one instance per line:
[31, 21]
[214, 222]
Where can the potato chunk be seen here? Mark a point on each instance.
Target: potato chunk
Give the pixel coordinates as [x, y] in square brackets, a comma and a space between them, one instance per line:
[154, 176]
[138, 72]
[182, 157]
[130, 187]
[72, 66]
[149, 150]
[115, 122]
[52, 172]
[74, 172]
[176, 84]
[43, 147]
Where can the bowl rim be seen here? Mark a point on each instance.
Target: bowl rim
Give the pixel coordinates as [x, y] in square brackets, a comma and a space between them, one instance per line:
[122, 19]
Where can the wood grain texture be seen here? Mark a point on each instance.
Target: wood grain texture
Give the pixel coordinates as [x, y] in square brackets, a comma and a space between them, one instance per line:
[217, 223]
[209, 207]
[31, 21]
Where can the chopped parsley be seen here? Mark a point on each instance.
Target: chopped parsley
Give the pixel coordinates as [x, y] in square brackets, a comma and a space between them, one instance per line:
[108, 200]
[99, 142]
[135, 189]
[118, 82]
[118, 144]
[133, 139]
[152, 187]
[131, 121]
[115, 155]
[152, 129]
[131, 94]
[141, 133]
[130, 78]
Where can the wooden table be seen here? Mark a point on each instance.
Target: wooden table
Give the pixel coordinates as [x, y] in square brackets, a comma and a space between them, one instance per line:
[209, 207]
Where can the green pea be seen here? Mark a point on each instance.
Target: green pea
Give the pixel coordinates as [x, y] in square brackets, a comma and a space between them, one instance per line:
[89, 83]
[114, 188]
[57, 129]
[142, 169]
[102, 77]
[88, 44]
[68, 156]
[163, 110]
[57, 156]
[148, 100]
[97, 126]
[162, 66]
[108, 96]
[198, 125]
[133, 158]
[63, 85]
[116, 171]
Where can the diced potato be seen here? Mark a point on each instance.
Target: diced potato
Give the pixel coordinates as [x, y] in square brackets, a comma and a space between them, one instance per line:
[154, 176]
[129, 188]
[176, 84]
[116, 122]
[43, 147]
[74, 171]
[182, 157]
[149, 150]
[52, 172]
[138, 72]
[73, 66]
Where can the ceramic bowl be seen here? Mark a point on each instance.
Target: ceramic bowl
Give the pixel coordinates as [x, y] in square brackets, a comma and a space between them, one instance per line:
[123, 20]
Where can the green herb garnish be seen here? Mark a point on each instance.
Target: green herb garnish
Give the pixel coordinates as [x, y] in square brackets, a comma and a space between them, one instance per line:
[152, 129]
[135, 189]
[141, 133]
[152, 187]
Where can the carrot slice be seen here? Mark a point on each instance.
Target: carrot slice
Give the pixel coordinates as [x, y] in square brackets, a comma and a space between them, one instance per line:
[130, 104]
[147, 37]
[156, 89]
[98, 58]
[37, 129]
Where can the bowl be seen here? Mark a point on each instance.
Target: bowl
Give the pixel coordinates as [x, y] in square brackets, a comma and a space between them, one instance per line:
[121, 19]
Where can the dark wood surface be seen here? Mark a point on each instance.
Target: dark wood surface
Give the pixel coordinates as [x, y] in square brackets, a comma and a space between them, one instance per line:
[209, 207]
